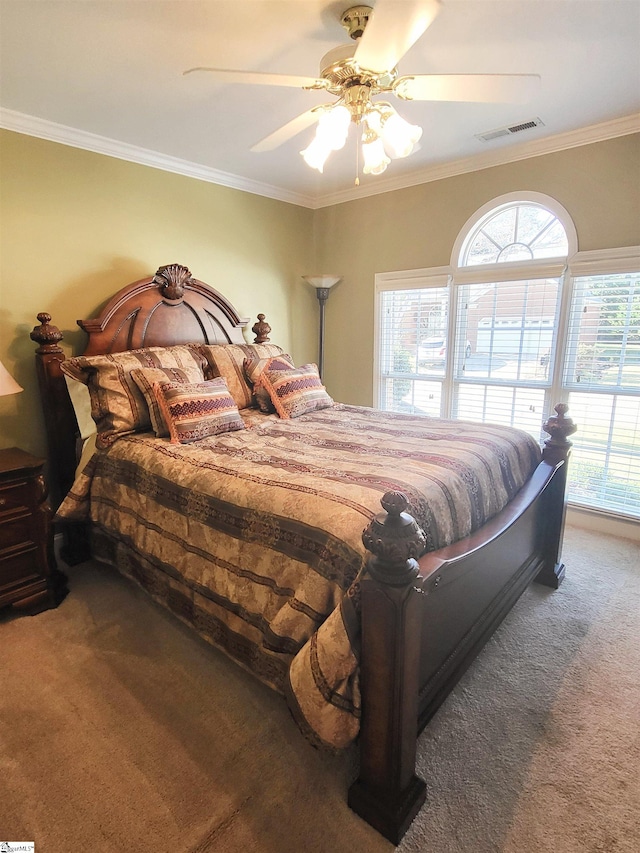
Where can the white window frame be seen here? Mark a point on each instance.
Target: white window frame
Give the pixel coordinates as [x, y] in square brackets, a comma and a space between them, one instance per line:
[401, 280]
[599, 262]
[521, 270]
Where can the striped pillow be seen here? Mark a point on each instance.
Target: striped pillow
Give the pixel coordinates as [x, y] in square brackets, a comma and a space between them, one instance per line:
[253, 368]
[295, 392]
[197, 410]
[145, 378]
[227, 360]
[117, 404]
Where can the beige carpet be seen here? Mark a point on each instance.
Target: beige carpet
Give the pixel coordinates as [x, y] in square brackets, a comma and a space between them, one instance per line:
[121, 730]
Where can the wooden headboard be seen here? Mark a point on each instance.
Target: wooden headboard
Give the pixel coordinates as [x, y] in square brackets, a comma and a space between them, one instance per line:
[170, 307]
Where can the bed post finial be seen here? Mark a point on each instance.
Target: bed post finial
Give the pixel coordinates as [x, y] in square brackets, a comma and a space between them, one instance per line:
[261, 330]
[395, 540]
[387, 793]
[559, 427]
[48, 337]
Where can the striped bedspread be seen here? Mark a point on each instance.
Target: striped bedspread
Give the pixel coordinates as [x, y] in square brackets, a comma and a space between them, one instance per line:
[254, 537]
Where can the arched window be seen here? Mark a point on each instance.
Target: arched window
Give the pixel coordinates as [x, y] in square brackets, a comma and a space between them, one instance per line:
[508, 274]
[515, 231]
[516, 228]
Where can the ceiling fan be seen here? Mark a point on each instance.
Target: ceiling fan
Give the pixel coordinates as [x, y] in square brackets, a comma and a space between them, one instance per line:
[358, 73]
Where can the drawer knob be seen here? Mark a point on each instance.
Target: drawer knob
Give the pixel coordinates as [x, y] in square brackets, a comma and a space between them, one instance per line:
[3, 501]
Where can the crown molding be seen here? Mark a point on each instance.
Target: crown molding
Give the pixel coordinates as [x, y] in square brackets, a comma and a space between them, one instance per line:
[522, 151]
[53, 132]
[43, 129]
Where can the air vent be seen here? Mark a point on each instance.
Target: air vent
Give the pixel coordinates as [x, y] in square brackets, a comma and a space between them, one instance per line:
[509, 130]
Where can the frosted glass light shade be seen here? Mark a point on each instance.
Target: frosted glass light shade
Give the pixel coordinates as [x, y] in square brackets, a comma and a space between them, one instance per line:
[398, 135]
[375, 159]
[325, 280]
[316, 153]
[8, 384]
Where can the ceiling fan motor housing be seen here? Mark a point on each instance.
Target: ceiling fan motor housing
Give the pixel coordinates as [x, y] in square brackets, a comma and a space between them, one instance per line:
[341, 71]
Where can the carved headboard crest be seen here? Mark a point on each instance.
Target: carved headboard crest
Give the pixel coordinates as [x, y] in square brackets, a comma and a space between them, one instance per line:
[171, 280]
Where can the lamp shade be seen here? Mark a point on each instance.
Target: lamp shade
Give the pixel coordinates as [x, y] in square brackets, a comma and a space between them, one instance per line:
[8, 384]
[327, 280]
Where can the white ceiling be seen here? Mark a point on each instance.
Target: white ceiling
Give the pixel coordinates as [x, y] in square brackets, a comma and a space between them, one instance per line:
[113, 68]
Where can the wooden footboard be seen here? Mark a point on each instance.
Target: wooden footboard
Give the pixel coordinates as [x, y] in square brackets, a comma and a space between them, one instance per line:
[424, 621]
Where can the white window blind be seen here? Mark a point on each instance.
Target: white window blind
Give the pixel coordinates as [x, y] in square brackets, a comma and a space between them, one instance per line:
[508, 330]
[412, 349]
[602, 376]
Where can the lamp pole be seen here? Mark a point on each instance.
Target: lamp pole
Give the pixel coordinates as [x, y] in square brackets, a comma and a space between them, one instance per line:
[323, 294]
[322, 284]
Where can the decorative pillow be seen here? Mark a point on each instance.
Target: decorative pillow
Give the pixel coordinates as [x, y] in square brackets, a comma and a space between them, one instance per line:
[227, 360]
[197, 410]
[146, 377]
[296, 392]
[253, 368]
[117, 404]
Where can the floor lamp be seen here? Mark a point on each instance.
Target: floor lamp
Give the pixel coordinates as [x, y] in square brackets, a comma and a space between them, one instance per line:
[322, 284]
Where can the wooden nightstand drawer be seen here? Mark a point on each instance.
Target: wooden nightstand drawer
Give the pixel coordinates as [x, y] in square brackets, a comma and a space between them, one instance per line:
[20, 567]
[14, 498]
[15, 530]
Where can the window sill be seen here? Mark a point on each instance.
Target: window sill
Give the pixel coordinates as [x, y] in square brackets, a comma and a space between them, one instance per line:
[603, 522]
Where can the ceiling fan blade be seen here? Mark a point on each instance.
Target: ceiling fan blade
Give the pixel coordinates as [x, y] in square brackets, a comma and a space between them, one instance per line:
[482, 88]
[290, 129]
[394, 26]
[261, 78]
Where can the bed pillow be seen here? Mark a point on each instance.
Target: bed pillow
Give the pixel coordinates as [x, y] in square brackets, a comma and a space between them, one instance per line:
[227, 360]
[117, 404]
[296, 392]
[146, 377]
[253, 368]
[81, 402]
[197, 410]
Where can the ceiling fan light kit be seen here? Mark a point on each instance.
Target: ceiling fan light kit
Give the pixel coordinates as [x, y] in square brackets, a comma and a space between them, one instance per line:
[385, 134]
[356, 73]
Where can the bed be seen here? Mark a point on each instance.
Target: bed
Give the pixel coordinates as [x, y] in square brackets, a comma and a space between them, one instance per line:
[306, 547]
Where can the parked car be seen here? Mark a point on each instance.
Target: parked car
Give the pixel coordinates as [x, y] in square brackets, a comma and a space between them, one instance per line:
[434, 351]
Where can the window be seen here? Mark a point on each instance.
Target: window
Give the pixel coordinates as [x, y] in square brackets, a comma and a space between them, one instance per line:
[602, 377]
[510, 326]
[412, 344]
[519, 322]
[515, 232]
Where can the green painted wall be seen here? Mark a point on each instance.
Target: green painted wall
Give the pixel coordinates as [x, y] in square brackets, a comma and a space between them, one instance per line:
[598, 184]
[76, 226]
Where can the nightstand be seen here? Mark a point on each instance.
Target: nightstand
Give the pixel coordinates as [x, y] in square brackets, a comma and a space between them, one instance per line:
[29, 579]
